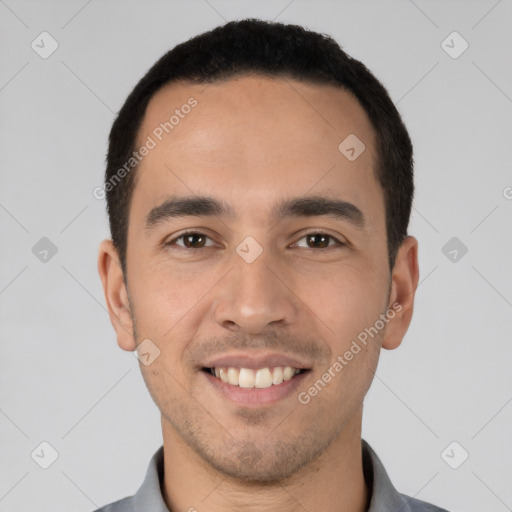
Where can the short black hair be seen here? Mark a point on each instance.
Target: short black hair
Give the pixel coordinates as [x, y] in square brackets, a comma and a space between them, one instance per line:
[270, 49]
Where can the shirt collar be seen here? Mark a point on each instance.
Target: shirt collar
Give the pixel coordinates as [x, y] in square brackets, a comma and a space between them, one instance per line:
[383, 496]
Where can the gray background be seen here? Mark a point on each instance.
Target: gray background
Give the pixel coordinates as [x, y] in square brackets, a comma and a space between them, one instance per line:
[63, 378]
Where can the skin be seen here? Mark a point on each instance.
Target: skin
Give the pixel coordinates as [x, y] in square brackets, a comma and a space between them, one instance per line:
[252, 141]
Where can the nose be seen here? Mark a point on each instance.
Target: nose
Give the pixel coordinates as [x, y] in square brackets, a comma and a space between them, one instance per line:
[254, 296]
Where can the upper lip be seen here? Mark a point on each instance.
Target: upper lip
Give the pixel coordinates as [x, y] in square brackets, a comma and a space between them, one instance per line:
[254, 361]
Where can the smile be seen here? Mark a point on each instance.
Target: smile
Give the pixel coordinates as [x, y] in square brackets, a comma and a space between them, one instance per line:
[254, 378]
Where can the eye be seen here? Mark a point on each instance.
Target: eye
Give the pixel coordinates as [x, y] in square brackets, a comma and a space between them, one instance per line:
[191, 240]
[319, 240]
[195, 240]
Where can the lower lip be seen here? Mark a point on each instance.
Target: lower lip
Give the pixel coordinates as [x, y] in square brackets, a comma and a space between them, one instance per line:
[257, 396]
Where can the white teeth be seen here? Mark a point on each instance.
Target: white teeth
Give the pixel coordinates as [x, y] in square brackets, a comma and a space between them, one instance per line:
[246, 378]
[288, 373]
[223, 375]
[233, 374]
[261, 378]
[277, 377]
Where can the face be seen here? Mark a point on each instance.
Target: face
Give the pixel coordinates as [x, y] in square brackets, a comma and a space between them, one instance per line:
[257, 257]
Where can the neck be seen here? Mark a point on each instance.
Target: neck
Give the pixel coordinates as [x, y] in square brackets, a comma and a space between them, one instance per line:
[333, 482]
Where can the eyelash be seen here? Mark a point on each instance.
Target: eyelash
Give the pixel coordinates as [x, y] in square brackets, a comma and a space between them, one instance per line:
[193, 249]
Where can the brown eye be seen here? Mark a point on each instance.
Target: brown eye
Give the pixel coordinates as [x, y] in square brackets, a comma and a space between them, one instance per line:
[191, 240]
[319, 241]
[194, 240]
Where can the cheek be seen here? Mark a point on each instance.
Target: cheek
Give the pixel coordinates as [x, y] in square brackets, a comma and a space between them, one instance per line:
[168, 308]
[163, 296]
[165, 385]
[347, 300]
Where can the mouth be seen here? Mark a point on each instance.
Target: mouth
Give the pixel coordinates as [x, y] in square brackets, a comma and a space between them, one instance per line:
[250, 378]
[254, 378]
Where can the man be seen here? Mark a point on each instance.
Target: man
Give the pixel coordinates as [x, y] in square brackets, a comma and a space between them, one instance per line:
[259, 185]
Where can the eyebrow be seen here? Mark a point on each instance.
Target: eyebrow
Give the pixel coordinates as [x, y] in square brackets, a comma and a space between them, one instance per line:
[204, 206]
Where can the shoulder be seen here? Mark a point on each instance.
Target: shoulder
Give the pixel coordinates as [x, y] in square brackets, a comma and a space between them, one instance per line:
[414, 505]
[148, 497]
[384, 496]
[124, 505]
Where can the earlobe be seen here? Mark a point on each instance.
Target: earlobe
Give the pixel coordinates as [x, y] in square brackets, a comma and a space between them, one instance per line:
[116, 295]
[404, 283]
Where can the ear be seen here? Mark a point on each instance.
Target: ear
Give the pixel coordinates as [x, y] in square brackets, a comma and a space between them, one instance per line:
[116, 295]
[404, 281]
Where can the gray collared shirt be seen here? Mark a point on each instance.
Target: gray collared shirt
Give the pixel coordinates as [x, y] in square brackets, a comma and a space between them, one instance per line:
[384, 497]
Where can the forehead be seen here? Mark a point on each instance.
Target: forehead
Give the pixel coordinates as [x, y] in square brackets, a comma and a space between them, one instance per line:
[258, 135]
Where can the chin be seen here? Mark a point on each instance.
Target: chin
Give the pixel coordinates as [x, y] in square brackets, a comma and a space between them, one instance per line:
[249, 464]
